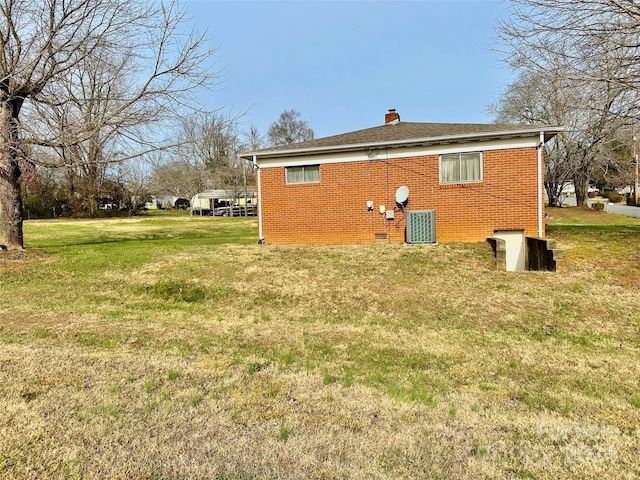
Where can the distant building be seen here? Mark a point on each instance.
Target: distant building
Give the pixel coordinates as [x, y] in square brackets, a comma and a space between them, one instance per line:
[163, 202]
[204, 203]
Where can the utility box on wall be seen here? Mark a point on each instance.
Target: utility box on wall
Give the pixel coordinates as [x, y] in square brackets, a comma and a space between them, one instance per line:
[421, 226]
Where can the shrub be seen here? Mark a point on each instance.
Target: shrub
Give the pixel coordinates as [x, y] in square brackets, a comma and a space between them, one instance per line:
[613, 196]
[597, 206]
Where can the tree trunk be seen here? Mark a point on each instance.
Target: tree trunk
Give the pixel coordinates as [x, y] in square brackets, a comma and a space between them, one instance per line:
[553, 193]
[581, 184]
[10, 197]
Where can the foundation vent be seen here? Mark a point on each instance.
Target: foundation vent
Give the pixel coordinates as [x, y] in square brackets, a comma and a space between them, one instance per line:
[421, 226]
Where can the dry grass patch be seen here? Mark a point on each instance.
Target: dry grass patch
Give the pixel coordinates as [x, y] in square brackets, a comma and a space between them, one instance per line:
[19, 259]
[204, 355]
[126, 416]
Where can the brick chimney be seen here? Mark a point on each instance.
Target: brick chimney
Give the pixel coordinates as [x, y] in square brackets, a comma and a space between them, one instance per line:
[391, 116]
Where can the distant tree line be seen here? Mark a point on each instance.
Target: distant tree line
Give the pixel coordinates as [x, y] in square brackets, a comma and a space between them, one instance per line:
[206, 157]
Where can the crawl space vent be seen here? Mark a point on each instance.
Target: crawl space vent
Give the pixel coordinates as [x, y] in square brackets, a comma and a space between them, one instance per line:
[421, 226]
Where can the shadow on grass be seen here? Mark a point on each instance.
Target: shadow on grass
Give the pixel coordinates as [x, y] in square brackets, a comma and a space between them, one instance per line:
[603, 230]
[219, 239]
[185, 233]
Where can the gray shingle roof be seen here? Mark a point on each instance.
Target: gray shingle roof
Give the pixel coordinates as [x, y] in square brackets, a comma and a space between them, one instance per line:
[406, 134]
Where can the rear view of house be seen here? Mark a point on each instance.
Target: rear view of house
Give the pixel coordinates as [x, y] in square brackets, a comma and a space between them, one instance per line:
[404, 182]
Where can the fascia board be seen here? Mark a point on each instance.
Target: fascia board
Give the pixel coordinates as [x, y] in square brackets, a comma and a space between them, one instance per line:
[370, 153]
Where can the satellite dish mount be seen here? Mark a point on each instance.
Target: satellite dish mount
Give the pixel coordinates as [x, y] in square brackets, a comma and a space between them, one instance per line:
[402, 196]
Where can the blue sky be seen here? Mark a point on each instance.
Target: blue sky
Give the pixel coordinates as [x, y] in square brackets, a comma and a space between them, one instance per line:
[344, 64]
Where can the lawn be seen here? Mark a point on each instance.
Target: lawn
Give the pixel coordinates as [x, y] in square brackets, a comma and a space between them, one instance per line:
[177, 347]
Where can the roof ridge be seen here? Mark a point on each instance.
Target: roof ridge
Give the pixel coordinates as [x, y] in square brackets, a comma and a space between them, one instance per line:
[394, 134]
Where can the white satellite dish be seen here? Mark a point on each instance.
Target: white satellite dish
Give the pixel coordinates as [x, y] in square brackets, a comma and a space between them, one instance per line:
[402, 195]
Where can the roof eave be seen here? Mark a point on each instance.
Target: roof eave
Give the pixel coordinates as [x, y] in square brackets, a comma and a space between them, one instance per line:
[549, 133]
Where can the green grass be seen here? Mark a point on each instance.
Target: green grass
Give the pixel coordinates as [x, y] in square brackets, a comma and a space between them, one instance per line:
[172, 338]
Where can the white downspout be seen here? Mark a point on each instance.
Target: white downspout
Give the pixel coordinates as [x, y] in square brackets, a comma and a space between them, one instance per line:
[540, 185]
[260, 236]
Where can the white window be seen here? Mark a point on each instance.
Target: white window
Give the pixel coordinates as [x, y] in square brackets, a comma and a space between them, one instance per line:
[305, 174]
[461, 167]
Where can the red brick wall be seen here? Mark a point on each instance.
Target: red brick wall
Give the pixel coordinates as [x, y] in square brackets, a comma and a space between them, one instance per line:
[334, 211]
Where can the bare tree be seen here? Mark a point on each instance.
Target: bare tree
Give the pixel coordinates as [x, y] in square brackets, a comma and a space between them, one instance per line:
[582, 151]
[88, 114]
[44, 44]
[133, 179]
[209, 138]
[179, 177]
[619, 170]
[592, 49]
[289, 128]
[538, 98]
[545, 34]
[206, 158]
[253, 138]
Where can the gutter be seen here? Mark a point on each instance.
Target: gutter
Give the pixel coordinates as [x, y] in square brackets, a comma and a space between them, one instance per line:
[540, 184]
[260, 236]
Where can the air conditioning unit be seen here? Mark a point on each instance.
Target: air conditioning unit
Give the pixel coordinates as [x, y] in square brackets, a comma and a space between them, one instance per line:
[421, 226]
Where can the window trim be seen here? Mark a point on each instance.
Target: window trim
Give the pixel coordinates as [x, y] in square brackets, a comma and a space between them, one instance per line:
[459, 154]
[286, 174]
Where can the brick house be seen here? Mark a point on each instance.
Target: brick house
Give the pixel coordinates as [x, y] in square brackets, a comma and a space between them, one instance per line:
[404, 182]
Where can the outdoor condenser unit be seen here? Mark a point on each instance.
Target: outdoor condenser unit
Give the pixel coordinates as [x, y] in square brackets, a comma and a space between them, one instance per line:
[421, 226]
